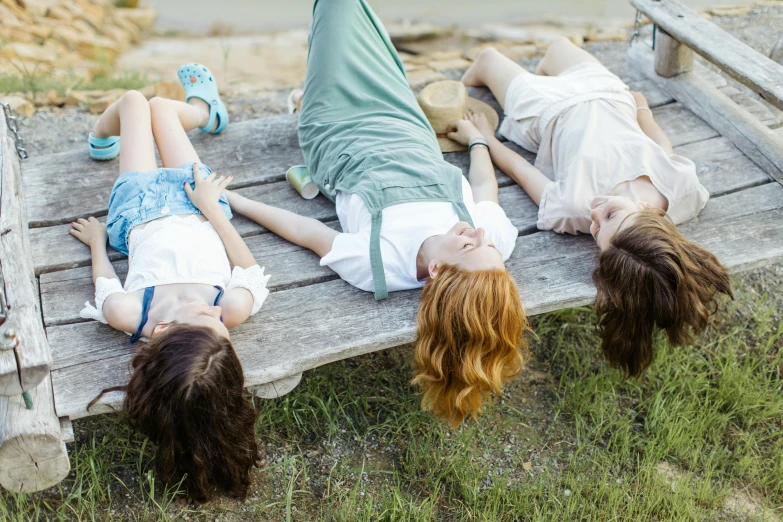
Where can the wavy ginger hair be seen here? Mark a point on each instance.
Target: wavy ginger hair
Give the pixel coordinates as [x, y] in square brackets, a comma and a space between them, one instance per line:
[652, 276]
[471, 327]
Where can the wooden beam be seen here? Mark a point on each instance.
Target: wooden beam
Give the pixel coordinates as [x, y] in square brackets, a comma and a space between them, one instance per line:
[671, 57]
[737, 59]
[753, 138]
[32, 453]
[26, 365]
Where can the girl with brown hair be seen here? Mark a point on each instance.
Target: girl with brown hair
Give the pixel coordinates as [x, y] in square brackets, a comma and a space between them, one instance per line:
[181, 294]
[605, 167]
[409, 218]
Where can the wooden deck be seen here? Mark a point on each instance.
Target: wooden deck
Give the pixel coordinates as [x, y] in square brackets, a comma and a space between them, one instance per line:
[312, 317]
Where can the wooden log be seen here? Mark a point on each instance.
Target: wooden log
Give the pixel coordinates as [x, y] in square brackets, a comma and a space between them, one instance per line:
[744, 229]
[66, 430]
[671, 57]
[32, 454]
[276, 389]
[28, 363]
[749, 67]
[753, 138]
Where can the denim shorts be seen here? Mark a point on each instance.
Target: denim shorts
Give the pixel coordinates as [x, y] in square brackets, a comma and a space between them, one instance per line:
[140, 197]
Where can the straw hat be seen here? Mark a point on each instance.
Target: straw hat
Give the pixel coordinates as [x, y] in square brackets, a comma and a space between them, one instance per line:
[447, 102]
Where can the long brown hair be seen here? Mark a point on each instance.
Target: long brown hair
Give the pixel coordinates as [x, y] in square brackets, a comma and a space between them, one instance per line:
[652, 276]
[186, 394]
[471, 327]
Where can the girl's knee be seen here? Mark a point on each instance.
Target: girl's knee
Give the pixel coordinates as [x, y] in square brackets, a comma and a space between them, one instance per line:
[134, 98]
[158, 104]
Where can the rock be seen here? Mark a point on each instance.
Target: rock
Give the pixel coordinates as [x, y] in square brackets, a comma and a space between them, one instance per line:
[19, 105]
[28, 52]
[730, 10]
[513, 51]
[118, 35]
[424, 77]
[59, 12]
[413, 32]
[170, 90]
[18, 13]
[131, 28]
[98, 48]
[455, 63]
[11, 33]
[77, 98]
[527, 466]
[143, 18]
[530, 34]
[606, 34]
[438, 56]
[102, 103]
[48, 98]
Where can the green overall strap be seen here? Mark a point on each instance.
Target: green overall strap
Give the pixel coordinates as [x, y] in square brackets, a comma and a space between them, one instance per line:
[462, 212]
[376, 260]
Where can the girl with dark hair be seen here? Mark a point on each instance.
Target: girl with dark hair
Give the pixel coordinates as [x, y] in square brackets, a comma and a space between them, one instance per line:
[409, 218]
[181, 294]
[605, 167]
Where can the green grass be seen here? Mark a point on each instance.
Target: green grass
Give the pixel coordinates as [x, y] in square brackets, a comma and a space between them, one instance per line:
[33, 82]
[576, 443]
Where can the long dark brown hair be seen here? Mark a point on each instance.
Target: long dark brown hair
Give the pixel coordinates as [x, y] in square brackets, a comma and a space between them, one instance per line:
[652, 276]
[186, 393]
[470, 340]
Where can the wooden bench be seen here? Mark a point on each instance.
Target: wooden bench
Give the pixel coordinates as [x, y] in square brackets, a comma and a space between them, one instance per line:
[312, 317]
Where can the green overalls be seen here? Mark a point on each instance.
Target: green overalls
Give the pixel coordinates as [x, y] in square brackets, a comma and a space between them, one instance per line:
[361, 129]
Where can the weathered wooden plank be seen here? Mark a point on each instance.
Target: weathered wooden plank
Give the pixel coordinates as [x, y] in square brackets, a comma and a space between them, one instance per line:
[24, 366]
[654, 94]
[64, 186]
[70, 253]
[753, 138]
[737, 59]
[32, 454]
[743, 229]
[681, 125]
[671, 57]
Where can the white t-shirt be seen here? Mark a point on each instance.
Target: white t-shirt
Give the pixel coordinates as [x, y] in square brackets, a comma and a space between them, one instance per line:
[404, 228]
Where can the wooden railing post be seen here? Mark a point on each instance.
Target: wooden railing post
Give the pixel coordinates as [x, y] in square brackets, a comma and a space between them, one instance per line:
[671, 57]
[32, 453]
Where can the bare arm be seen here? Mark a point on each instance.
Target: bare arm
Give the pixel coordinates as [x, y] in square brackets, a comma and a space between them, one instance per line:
[482, 179]
[122, 311]
[648, 124]
[532, 180]
[303, 231]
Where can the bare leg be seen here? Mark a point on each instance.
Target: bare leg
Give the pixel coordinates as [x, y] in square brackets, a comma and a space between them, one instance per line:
[171, 121]
[129, 118]
[562, 55]
[494, 70]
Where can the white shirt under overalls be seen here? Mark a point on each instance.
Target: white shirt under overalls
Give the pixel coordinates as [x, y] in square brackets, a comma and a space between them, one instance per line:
[403, 230]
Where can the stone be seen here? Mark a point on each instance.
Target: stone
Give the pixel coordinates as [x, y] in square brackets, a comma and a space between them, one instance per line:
[98, 48]
[102, 103]
[170, 90]
[527, 466]
[513, 51]
[77, 98]
[530, 34]
[606, 34]
[130, 28]
[143, 18]
[12, 33]
[730, 10]
[455, 63]
[19, 105]
[48, 98]
[413, 32]
[424, 77]
[59, 12]
[119, 36]
[20, 14]
[28, 52]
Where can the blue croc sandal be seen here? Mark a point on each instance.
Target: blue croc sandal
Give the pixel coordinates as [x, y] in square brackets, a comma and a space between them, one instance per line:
[199, 82]
[103, 149]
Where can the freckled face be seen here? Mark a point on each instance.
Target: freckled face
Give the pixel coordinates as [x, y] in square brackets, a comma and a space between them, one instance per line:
[608, 214]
